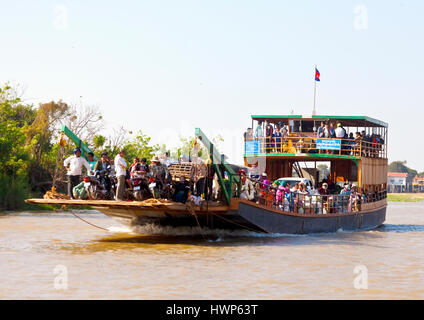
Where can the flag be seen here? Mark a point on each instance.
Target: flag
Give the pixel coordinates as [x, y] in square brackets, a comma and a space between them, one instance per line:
[317, 75]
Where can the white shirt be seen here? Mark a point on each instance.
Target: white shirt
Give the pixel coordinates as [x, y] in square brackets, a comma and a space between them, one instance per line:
[75, 165]
[340, 132]
[120, 166]
[258, 132]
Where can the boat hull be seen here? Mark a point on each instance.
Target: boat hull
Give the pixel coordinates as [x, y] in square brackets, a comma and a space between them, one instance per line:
[274, 221]
[230, 219]
[241, 214]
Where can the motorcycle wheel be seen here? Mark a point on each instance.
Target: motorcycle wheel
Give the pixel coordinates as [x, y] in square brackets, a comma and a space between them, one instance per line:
[112, 194]
[137, 196]
[92, 192]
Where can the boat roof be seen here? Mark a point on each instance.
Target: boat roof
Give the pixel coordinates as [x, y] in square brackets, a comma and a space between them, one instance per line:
[398, 174]
[347, 121]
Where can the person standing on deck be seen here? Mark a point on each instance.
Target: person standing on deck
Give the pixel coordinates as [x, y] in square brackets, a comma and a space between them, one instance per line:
[340, 131]
[269, 133]
[259, 136]
[277, 141]
[91, 161]
[320, 131]
[121, 173]
[327, 131]
[201, 173]
[136, 160]
[74, 166]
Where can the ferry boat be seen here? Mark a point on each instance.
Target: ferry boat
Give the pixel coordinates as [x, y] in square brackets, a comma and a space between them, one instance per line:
[360, 162]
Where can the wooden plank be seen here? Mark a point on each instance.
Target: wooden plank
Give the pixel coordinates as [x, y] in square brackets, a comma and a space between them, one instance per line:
[168, 205]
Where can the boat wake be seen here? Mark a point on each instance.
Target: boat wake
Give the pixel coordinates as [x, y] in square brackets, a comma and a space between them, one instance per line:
[400, 228]
[219, 234]
[152, 229]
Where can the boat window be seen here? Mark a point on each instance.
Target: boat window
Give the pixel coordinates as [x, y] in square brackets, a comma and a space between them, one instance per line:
[296, 127]
[307, 126]
[292, 182]
[301, 126]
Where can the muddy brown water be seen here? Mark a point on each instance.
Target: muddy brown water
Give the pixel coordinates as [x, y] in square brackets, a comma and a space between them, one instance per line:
[53, 255]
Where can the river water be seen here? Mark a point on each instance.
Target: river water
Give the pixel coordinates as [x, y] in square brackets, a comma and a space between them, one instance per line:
[53, 255]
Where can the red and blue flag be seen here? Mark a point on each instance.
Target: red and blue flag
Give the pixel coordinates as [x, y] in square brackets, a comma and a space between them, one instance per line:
[317, 75]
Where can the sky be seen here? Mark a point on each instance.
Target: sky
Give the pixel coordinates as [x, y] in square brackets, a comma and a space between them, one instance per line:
[167, 67]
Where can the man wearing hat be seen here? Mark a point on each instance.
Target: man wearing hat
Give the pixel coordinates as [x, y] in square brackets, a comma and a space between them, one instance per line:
[324, 189]
[340, 131]
[160, 173]
[74, 166]
[121, 173]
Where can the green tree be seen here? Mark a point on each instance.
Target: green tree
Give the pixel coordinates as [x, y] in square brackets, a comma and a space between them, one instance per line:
[41, 144]
[98, 141]
[140, 147]
[192, 146]
[14, 160]
[400, 166]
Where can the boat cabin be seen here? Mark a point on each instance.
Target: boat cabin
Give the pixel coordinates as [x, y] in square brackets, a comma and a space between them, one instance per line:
[353, 149]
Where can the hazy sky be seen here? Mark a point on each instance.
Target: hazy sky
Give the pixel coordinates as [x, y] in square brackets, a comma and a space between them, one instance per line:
[167, 67]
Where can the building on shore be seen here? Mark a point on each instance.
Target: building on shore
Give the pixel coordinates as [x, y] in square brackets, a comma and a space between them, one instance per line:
[418, 184]
[397, 182]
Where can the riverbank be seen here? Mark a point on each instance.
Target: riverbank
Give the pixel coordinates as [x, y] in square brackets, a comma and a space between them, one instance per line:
[405, 197]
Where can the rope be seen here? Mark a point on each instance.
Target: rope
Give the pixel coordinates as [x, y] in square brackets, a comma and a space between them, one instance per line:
[235, 223]
[190, 209]
[88, 222]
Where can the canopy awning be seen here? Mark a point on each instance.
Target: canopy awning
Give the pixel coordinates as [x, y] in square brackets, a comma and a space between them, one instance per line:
[346, 121]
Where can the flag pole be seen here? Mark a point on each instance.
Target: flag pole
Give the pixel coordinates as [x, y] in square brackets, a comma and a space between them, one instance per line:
[315, 91]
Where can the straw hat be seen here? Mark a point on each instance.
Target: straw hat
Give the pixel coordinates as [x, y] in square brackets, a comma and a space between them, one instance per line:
[155, 159]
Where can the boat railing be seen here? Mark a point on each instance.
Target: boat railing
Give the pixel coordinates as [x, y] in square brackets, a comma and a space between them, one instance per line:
[305, 143]
[316, 203]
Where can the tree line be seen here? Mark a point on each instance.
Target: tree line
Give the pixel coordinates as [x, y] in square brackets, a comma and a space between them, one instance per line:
[400, 166]
[31, 157]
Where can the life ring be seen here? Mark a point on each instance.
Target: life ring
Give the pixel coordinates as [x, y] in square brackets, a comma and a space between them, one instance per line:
[249, 190]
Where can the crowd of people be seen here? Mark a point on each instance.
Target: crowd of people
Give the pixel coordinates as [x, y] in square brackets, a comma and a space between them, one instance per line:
[290, 196]
[156, 177]
[283, 194]
[277, 138]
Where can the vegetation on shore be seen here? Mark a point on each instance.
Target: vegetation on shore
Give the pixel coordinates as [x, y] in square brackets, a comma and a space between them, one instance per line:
[31, 158]
[405, 197]
[400, 166]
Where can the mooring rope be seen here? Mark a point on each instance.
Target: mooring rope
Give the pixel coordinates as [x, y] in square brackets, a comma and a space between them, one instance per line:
[235, 223]
[190, 209]
[88, 222]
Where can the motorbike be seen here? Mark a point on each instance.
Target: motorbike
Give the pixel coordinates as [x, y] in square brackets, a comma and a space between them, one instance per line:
[95, 189]
[140, 189]
[96, 186]
[158, 189]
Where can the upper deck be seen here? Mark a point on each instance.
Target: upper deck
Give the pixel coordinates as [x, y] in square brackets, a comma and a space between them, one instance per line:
[302, 137]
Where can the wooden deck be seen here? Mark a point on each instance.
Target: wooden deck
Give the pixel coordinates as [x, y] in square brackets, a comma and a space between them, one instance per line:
[131, 205]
